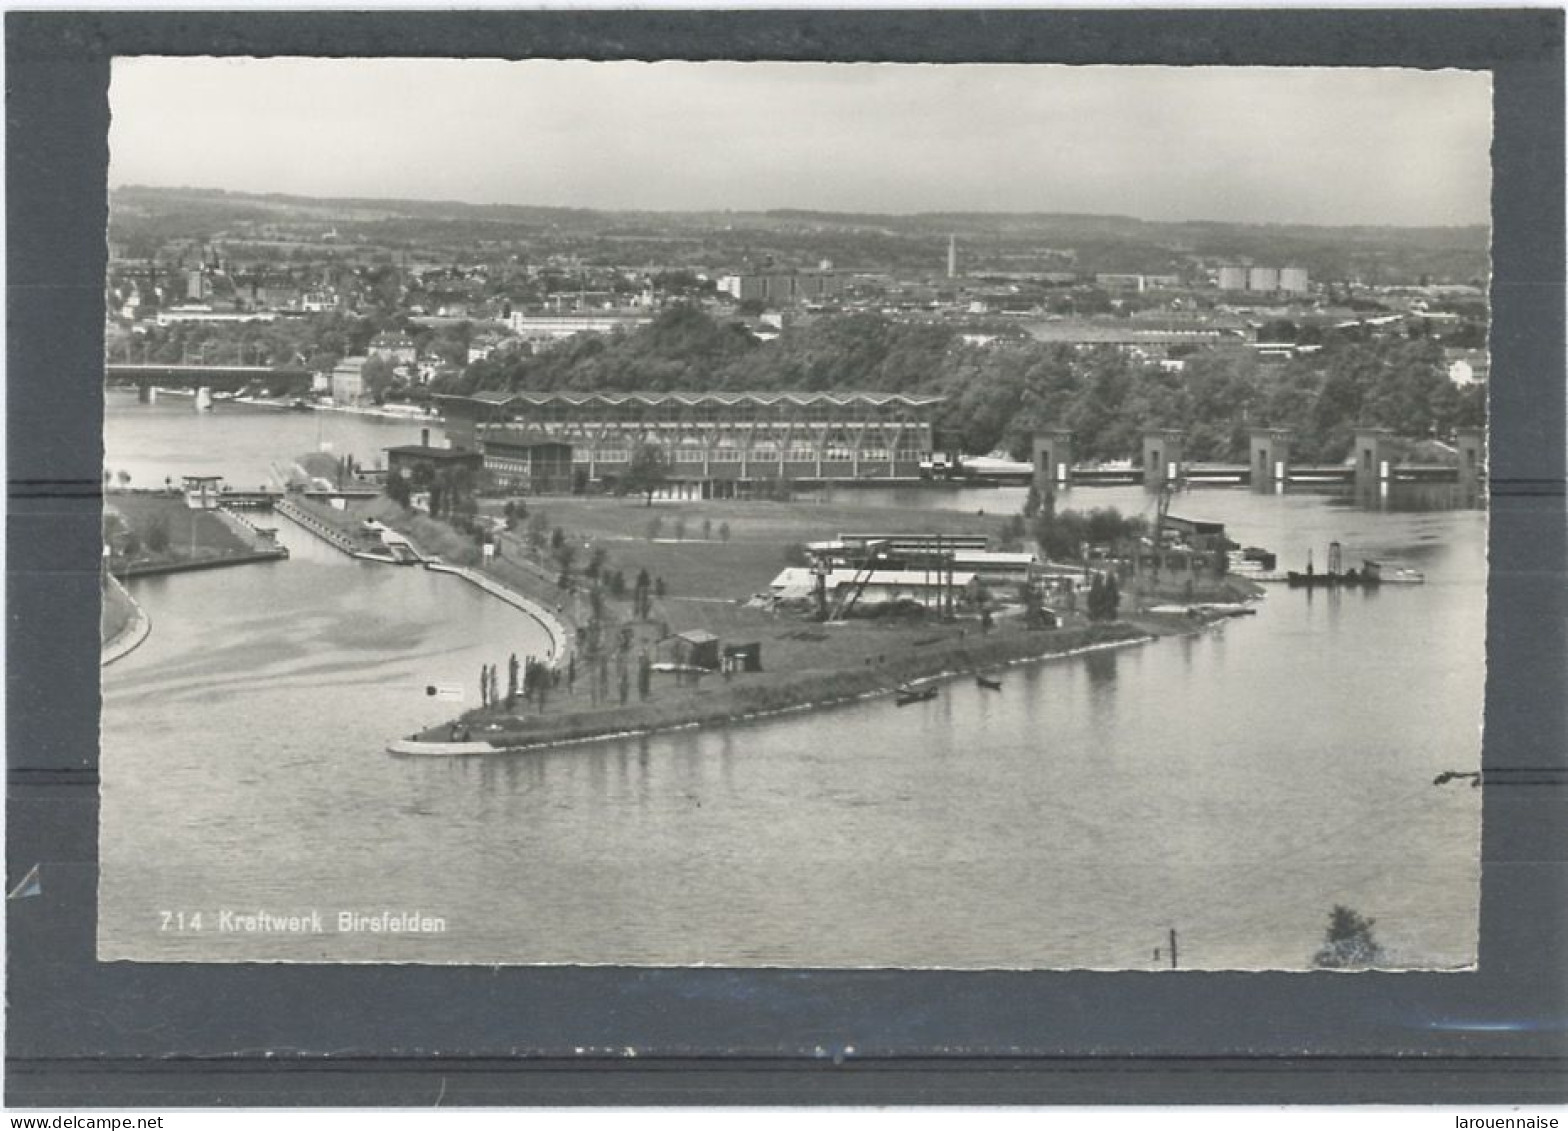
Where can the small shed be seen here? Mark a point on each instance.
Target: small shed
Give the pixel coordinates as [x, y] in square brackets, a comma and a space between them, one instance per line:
[1199, 534]
[743, 657]
[696, 648]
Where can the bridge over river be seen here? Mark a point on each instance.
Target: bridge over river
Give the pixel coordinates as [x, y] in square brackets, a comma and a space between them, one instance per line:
[278, 380]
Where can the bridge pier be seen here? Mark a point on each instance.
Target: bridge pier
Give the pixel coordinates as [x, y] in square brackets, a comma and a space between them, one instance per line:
[1162, 456]
[1270, 464]
[1053, 458]
[1374, 458]
[1471, 443]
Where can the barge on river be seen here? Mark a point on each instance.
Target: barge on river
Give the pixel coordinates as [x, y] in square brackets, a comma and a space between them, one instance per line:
[1370, 575]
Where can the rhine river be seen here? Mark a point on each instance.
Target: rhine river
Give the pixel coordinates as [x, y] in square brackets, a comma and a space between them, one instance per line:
[1233, 786]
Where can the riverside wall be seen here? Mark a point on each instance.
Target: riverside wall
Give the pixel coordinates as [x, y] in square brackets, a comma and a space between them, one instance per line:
[554, 626]
[131, 636]
[310, 522]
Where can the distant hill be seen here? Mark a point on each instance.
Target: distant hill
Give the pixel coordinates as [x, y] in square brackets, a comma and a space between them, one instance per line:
[145, 218]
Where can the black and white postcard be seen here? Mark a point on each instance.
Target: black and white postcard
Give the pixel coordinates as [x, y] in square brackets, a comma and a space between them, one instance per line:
[809, 515]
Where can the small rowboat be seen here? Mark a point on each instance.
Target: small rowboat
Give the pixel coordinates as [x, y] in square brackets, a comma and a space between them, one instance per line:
[908, 695]
[989, 684]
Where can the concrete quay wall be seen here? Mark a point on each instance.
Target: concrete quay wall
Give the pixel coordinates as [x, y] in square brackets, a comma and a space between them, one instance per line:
[554, 626]
[135, 632]
[320, 529]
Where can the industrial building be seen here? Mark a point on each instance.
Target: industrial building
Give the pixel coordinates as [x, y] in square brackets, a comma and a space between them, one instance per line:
[1264, 279]
[783, 288]
[552, 327]
[1140, 283]
[522, 460]
[714, 440]
[799, 583]
[405, 459]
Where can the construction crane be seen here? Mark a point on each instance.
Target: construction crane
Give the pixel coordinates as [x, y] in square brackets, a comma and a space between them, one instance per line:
[865, 570]
[1162, 511]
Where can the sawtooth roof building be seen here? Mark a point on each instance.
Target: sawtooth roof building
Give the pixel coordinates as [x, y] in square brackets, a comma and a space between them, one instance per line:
[716, 440]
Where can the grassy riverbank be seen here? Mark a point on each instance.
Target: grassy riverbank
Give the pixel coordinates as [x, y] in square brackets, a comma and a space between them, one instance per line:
[710, 558]
[834, 678]
[155, 532]
[695, 564]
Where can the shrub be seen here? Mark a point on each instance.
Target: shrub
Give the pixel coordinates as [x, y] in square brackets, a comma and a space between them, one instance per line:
[1348, 943]
[158, 535]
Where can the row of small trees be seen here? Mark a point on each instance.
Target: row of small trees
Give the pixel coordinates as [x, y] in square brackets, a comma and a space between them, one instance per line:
[678, 528]
[529, 679]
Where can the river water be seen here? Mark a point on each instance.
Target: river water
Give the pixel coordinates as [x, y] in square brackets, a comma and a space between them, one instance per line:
[1232, 786]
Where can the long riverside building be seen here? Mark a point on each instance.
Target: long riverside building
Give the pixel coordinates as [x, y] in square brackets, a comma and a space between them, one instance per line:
[716, 438]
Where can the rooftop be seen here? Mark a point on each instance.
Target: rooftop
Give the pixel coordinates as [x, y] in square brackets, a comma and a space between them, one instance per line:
[521, 437]
[797, 577]
[428, 451]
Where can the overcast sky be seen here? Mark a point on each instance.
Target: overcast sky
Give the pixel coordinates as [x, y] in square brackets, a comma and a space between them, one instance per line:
[1326, 146]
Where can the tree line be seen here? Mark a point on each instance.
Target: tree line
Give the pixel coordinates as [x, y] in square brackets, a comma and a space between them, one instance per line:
[999, 393]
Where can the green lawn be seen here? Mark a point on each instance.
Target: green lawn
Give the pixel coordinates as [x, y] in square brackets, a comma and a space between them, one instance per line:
[760, 535]
[192, 536]
[707, 584]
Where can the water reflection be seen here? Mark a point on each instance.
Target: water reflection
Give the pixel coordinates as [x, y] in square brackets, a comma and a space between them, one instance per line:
[1236, 784]
[1100, 666]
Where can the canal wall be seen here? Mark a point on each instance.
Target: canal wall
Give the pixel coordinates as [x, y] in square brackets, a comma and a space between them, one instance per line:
[156, 569]
[310, 522]
[260, 541]
[554, 626]
[136, 629]
[245, 529]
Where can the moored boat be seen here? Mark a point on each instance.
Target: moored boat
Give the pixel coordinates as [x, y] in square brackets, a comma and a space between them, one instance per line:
[1369, 575]
[1403, 576]
[414, 746]
[1349, 578]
